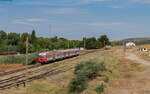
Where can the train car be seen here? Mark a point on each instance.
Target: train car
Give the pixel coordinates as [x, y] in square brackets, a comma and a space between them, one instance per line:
[47, 57]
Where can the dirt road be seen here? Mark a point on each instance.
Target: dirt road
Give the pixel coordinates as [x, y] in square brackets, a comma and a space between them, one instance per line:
[133, 56]
[136, 83]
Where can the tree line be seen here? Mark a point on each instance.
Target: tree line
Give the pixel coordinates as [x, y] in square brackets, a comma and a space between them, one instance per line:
[16, 42]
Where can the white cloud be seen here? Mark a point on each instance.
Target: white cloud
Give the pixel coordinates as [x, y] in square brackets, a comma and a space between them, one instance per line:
[37, 3]
[21, 22]
[36, 20]
[59, 10]
[63, 10]
[88, 1]
[102, 24]
[115, 7]
[30, 21]
[92, 0]
[141, 1]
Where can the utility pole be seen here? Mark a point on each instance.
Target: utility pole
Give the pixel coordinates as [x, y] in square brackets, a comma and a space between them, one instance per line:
[27, 51]
[124, 48]
[68, 44]
[104, 52]
[26, 74]
[50, 31]
[84, 43]
[104, 43]
[73, 43]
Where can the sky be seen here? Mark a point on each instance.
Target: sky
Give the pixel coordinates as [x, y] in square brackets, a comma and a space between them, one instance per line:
[75, 19]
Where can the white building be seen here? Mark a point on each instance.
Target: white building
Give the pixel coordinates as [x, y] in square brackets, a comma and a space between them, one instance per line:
[130, 44]
[81, 48]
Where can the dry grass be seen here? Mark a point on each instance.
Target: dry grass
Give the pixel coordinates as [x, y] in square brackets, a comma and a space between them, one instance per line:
[9, 67]
[121, 73]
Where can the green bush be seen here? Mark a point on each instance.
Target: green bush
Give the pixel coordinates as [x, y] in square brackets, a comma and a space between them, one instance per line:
[106, 79]
[85, 71]
[33, 58]
[90, 68]
[78, 84]
[19, 59]
[79, 67]
[100, 88]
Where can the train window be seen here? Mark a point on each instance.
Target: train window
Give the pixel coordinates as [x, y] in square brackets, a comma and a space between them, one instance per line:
[49, 56]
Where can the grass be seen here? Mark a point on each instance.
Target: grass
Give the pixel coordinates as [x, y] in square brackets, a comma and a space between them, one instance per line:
[38, 87]
[18, 59]
[58, 84]
[136, 67]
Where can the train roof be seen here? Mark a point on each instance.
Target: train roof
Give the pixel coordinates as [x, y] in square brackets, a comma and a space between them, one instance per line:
[56, 51]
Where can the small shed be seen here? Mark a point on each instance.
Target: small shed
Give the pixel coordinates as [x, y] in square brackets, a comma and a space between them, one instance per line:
[81, 48]
[143, 49]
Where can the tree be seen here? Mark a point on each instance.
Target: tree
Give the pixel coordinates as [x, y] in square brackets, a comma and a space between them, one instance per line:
[3, 41]
[91, 43]
[13, 38]
[33, 37]
[3, 35]
[104, 40]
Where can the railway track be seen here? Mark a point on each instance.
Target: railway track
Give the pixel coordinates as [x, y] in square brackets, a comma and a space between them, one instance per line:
[17, 77]
[31, 67]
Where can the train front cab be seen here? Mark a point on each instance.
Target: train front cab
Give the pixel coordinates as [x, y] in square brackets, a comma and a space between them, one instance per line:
[42, 58]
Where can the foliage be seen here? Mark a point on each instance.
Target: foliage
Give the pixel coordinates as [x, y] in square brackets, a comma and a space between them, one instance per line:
[16, 42]
[104, 40]
[85, 71]
[3, 35]
[142, 42]
[106, 79]
[78, 84]
[19, 59]
[89, 68]
[100, 88]
[93, 43]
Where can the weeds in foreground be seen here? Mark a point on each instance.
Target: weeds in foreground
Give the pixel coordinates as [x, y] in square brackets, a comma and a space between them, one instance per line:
[100, 88]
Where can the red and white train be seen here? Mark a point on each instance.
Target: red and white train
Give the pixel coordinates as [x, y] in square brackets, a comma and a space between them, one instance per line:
[47, 57]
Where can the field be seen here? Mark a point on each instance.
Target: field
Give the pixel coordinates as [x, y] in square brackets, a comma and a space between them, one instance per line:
[127, 75]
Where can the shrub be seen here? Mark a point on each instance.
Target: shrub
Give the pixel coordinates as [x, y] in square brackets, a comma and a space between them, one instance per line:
[78, 84]
[33, 58]
[106, 79]
[79, 67]
[100, 88]
[102, 66]
[85, 71]
[90, 68]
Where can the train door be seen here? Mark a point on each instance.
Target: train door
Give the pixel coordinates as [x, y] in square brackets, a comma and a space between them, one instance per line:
[54, 57]
[64, 54]
[68, 53]
[49, 57]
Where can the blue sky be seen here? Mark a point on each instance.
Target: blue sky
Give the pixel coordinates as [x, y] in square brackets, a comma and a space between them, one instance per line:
[75, 19]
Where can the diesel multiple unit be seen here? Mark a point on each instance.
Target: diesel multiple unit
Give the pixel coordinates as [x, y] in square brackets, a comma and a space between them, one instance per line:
[47, 57]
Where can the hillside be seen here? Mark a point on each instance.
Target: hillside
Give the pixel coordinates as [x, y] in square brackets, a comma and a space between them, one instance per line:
[136, 39]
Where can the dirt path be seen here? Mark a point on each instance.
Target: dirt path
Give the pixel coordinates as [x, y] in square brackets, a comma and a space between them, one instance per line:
[133, 56]
[136, 83]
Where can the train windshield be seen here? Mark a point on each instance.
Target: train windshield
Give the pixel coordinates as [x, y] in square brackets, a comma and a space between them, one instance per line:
[42, 56]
